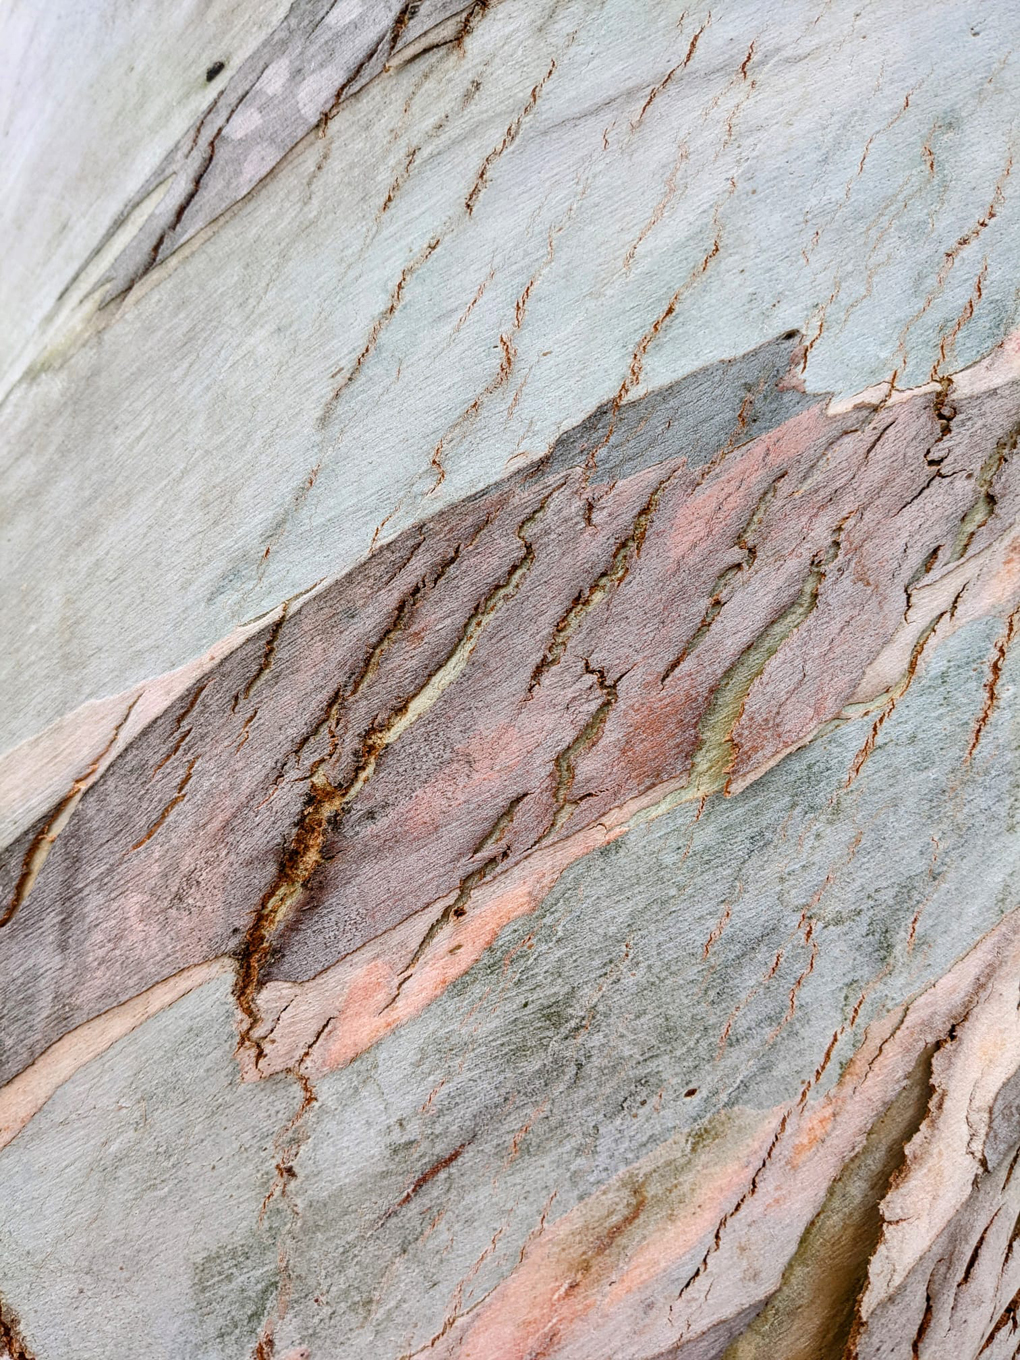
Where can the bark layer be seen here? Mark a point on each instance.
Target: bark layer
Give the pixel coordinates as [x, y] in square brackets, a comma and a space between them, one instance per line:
[510, 786]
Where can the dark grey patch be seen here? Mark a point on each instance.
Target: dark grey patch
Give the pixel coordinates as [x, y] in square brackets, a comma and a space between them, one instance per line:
[723, 404]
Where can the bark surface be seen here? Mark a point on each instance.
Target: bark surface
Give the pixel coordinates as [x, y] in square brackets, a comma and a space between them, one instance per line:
[510, 761]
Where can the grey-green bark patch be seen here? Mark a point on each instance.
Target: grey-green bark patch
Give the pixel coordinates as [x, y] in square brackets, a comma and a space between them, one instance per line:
[130, 1221]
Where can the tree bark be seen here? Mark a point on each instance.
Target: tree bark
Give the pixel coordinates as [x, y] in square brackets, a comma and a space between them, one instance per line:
[511, 780]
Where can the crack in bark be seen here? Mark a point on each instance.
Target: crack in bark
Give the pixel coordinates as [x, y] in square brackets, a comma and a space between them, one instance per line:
[565, 765]
[727, 576]
[326, 802]
[732, 1212]
[455, 910]
[896, 693]
[1007, 1317]
[38, 851]
[349, 690]
[178, 797]
[991, 685]
[380, 323]
[268, 655]
[509, 137]
[680, 66]
[983, 507]
[716, 752]
[604, 584]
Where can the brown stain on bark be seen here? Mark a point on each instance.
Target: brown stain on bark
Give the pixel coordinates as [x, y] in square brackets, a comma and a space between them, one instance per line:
[13, 1342]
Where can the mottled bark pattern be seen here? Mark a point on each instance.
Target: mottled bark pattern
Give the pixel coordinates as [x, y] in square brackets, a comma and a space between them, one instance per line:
[511, 765]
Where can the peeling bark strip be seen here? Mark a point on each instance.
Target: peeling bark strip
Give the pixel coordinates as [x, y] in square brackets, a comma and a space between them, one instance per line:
[326, 802]
[809, 1194]
[208, 174]
[665, 635]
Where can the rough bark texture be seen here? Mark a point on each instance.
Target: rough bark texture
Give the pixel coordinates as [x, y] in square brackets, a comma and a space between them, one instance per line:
[511, 547]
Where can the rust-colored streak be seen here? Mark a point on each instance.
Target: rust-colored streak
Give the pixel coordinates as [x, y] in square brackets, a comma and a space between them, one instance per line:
[426, 1176]
[178, 798]
[991, 686]
[382, 321]
[509, 137]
